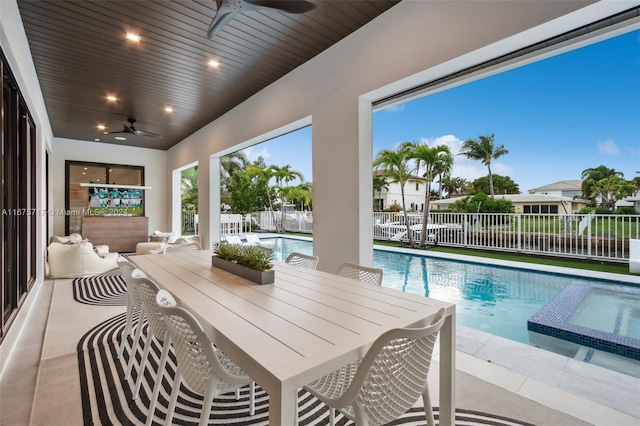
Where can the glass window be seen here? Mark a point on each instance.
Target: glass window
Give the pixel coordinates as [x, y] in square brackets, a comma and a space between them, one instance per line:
[553, 209]
[535, 209]
[526, 209]
[98, 197]
[544, 208]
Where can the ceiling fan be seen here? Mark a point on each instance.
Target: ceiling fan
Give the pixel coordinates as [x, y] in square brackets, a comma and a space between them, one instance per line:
[227, 9]
[133, 131]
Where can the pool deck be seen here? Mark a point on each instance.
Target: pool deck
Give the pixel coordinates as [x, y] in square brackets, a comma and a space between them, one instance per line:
[554, 380]
[595, 394]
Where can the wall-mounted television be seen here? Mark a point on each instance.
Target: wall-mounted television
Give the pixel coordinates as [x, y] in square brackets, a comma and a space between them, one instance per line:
[114, 200]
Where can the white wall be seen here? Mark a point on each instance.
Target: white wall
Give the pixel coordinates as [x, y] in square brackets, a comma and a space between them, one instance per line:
[155, 170]
[412, 43]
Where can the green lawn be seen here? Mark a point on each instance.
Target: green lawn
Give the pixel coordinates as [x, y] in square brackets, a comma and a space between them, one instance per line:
[590, 265]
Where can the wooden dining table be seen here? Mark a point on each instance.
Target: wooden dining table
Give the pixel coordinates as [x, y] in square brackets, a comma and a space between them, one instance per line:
[306, 324]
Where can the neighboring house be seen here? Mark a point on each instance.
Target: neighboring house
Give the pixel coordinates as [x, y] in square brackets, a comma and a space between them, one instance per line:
[413, 194]
[563, 188]
[633, 201]
[529, 203]
[573, 188]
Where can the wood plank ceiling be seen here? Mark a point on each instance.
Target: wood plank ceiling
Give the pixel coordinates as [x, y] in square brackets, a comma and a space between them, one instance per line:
[81, 56]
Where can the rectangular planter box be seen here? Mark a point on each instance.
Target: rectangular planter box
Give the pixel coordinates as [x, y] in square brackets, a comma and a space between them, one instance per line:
[260, 277]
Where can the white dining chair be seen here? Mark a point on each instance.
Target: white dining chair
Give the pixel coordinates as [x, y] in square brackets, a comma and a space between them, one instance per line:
[158, 330]
[360, 273]
[204, 368]
[387, 382]
[134, 302]
[233, 239]
[302, 260]
[176, 248]
[147, 290]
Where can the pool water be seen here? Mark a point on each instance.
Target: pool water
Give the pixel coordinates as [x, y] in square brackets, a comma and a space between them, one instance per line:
[491, 299]
[618, 314]
[497, 300]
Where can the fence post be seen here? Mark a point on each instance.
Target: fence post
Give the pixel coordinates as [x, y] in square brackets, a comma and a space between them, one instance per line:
[589, 239]
[519, 234]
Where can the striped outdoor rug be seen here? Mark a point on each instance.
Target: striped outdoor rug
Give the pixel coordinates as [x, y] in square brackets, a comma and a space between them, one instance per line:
[106, 396]
[108, 289]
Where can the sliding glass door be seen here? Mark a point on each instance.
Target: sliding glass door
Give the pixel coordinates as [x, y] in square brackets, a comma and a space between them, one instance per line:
[18, 215]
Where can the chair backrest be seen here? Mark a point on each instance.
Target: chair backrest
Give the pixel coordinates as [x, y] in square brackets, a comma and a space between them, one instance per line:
[129, 272]
[148, 291]
[252, 238]
[302, 260]
[393, 373]
[360, 273]
[233, 239]
[175, 248]
[197, 358]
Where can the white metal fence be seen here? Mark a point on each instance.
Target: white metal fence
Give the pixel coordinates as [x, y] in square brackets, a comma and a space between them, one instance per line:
[189, 222]
[295, 221]
[235, 224]
[588, 236]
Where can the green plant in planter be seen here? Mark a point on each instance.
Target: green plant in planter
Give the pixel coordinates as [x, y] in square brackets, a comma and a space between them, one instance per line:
[248, 256]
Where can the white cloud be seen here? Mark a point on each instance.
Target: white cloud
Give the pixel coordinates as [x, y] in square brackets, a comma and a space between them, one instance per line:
[395, 108]
[253, 154]
[608, 147]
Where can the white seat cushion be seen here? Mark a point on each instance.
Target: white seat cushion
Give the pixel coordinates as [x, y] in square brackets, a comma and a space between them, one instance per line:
[78, 260]
[149, 248]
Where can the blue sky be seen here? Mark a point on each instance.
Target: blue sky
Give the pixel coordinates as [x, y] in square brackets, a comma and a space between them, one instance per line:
[556, 117]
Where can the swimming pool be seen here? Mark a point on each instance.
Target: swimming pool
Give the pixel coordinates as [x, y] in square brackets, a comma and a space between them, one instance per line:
[496, 300]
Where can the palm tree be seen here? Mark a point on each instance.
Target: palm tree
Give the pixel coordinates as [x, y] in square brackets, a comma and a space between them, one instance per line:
[483, 149]
[443, 171]
[232, 162]
[456, 186]
[262, 176]
[596, 174]
[300, 194]
[379, 183]
[436, 160]
[189, 188]
[284, 174]
[395, 167]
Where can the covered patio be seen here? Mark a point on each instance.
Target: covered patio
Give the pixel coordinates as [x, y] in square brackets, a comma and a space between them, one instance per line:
[406, 50]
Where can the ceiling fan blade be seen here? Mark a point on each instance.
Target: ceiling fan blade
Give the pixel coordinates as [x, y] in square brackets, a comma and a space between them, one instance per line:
[124, 130]
[147, 134]
[223, 16]
[288, 6]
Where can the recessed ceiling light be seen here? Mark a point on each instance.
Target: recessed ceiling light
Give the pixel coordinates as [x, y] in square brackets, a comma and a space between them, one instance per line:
[213, 63]
[168, 109]
[84, 173]
[101, 127]
[97, 140]
[133, 37]
[111, 98]
[120, 138]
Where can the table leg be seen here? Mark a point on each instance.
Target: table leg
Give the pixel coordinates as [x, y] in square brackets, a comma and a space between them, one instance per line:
[448, 370]
[283, 406]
